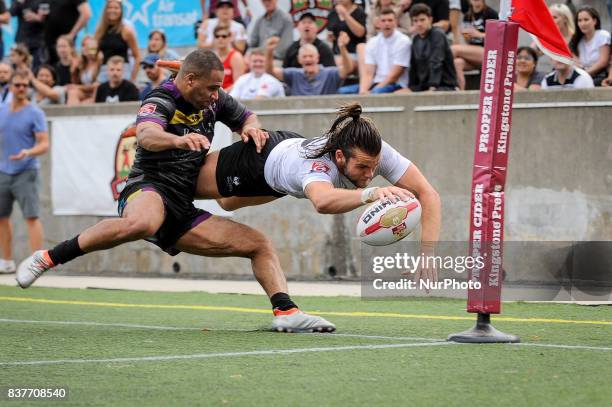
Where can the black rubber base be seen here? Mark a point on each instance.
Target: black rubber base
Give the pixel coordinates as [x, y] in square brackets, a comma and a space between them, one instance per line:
[483, 332]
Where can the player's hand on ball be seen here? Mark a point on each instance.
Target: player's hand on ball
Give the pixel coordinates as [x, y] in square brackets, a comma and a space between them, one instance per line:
[193, 142]
[393, 193]
[259, 137]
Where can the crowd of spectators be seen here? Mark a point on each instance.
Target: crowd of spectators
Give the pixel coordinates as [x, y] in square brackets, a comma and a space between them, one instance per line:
[384, 46]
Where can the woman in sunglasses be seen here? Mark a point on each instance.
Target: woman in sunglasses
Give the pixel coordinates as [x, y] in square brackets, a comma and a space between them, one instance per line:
[527, 77]
[233, 61]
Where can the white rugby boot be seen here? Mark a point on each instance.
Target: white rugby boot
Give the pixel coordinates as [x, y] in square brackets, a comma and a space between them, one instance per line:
[294, 320]
[32, 268]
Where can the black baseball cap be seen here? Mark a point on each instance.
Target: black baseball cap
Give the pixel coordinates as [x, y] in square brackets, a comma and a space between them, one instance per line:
[224, 2]
[307, 14]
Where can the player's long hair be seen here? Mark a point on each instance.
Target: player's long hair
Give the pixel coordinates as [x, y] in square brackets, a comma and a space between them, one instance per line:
[348, 131]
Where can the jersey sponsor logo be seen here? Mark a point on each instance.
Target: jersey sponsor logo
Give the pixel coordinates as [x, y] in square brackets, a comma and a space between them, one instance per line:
[318, 8]
[190, 120]
[147, 109]
[125, 154]
[319, 166]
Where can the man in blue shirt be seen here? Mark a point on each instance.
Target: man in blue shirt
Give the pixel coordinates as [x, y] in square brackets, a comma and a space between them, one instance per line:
[23, 137]
[311, 79]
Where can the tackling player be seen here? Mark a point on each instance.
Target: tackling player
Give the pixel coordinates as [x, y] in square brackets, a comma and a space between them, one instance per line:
[175, 126]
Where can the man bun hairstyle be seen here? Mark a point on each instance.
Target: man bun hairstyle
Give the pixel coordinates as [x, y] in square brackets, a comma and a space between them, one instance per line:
[349, 131]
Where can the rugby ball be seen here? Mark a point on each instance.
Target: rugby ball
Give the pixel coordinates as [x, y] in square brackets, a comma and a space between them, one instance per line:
[384, 222]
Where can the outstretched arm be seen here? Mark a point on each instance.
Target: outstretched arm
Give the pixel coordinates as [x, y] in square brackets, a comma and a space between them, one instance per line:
[328, 199]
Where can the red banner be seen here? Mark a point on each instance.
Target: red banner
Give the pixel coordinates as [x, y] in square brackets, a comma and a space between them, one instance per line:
[490, 165]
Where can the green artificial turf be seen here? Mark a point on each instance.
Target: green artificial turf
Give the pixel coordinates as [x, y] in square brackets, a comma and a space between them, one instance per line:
[213, 374]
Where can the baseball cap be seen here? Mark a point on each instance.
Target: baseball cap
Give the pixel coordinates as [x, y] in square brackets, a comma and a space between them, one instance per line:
[226, 2]
[307, 14]
[149, 60]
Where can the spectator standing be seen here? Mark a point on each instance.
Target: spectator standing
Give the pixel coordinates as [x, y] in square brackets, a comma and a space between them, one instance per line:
[257, 84]
[431, 61]
[209, 8]
[157, 44]
[312, 79]
[45, 90]
[64, 17]
[387, 59]
[116, 89]
[591, 44]
[5, 78]
[154, 73]
[567, 77]
[349, 18]
[274, 23]
[527, 76]
[31, 15]
[469, 56]
[115, 39]
[233, 61]
[307, 28]
[225, 16]
[23, 137]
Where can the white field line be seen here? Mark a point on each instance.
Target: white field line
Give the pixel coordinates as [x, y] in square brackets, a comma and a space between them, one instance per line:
[334, 335]
[177, 328]
[225, 354]
[550, 345]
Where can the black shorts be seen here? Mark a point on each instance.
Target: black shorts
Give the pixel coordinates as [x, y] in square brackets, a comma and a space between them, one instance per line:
[240, 169]
[179, 217]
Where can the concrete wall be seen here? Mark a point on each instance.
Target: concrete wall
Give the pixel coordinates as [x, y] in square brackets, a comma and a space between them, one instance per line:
[559, 182]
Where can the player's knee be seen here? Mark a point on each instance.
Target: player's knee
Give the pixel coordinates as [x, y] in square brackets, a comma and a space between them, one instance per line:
[134, 229]
[259, 244]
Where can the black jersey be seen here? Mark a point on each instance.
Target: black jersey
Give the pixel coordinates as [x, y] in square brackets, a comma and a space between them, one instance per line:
[175, 170]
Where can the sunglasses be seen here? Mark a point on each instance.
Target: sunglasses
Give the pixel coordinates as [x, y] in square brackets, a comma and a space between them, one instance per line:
[222, 36]
[20, 85]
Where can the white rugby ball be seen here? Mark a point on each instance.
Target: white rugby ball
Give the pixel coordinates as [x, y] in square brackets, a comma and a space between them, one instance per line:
[384, 222]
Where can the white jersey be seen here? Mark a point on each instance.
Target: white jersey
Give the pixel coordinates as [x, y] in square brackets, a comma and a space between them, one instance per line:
[249, 86]
[288, 171]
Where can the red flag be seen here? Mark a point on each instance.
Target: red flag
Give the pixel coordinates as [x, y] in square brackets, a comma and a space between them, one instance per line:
[534, 17]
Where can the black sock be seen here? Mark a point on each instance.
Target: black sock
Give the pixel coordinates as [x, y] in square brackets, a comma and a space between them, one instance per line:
[281, 301]
[66, 251]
